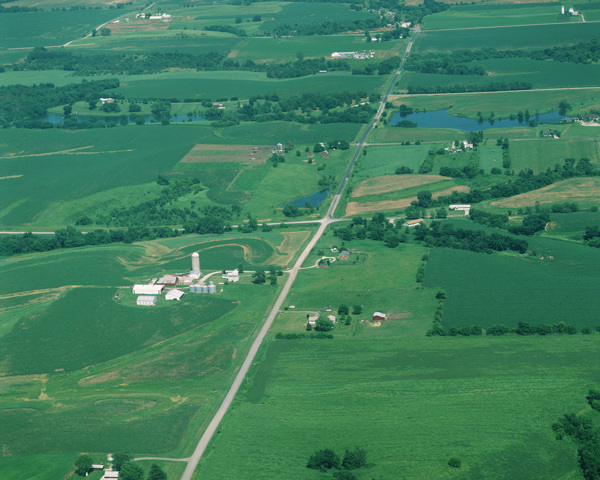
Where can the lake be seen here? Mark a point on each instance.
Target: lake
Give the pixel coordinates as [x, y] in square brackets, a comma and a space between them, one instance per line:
[442, 119]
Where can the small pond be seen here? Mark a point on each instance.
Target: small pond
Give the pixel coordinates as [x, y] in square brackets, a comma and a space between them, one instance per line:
[442, 119]
[315, 199]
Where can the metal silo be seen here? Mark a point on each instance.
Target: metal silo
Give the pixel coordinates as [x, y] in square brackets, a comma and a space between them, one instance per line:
[212, 288]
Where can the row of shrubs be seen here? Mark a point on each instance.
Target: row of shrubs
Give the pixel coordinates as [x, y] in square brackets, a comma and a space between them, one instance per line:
[523, 328]
[294, 336]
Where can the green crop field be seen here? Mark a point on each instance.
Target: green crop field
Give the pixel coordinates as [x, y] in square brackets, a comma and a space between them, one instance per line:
[412, 404]
[91, 372]
[240, 84]
[474, 16]
[49, 28]
[540, 154]
[384, 159]
[572, 223]
[536, 36]
[295, 13]
[485, 290]
[541, 74]
[429, 135]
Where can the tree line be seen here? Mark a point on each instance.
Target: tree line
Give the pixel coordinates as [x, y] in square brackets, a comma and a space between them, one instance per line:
[19, 102]
[522, 328]
[474, 87]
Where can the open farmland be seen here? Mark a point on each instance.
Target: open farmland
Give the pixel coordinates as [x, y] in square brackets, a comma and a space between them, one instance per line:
[538, 155]
[583, 191]
[567, 223]
[391, 183]
[372, 381]
[485, 290]
[299, 13]
[228, 153]
[385, 159]
[536, 36]
[486, 15]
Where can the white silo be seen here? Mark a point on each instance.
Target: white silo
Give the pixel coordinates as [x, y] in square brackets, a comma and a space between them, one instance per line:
[212, 288]
[195, 273]
[562, 10]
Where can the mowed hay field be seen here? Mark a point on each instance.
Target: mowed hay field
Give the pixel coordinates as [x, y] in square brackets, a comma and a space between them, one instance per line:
[538, 155]
[583, 191]
[556, 285]
[355, 208]
[412, 404]
[228, 153]
[390, 183]
[385, 159]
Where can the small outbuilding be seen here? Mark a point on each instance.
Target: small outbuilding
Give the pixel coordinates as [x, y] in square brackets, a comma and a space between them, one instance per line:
[168, 280]
[110, 475]
[378, 316]
[148, 289]
[413, 223]
[174, 294]
[233, 276]
[147, 300]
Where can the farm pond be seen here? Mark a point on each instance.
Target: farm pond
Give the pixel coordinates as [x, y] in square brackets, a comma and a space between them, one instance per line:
[442, 119]
[314, 199]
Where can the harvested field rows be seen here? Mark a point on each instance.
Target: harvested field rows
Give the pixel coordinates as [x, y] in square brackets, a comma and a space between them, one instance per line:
[227, 153]
[355, 208]
[577, 190]
[391, 183]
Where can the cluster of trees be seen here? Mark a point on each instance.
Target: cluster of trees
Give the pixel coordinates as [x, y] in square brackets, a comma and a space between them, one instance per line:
[128, 64]
[304, 67]
[128, 470]
[238, 32]
[584, 430]
[526, 181]
[378, 229]
[19, 103]
[260, 276]
[384, 67]
[439, 235]
[324, 28]
[523, 328]
[592, 236]
[326, 460]
[18, 9]
[473, 87]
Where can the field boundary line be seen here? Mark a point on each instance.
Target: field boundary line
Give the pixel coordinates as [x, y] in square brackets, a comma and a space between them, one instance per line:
[505, 26]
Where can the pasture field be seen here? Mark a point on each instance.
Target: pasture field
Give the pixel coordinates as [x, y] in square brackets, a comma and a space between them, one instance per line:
[503, 103]
[385, 159]
[541, 74]
[571, 224]
[410, 192]
[583, 191]
[412, 403]
[90, 375]
[486, 15]
[398, 135]
[490, 156]
[506, 38]
[555, 285]
[212, 85]
[541, 154]
[391, 183]
[49, 28]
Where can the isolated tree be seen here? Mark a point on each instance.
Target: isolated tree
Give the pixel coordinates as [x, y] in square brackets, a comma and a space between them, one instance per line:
[156, 473]
[424, 198]
[308, 327]
[105, 32]
[348, 320]
[119, 459]
[131, 471]
[238, 19]
[240, 268]
[354, 459]
[455, 462]
[68, 109]
[83, 465]
[356, 310]
[343, 309]
[134, 108]
[323, 459]
[344, 475]
[441, 294]
[323, 325]
[259, 277]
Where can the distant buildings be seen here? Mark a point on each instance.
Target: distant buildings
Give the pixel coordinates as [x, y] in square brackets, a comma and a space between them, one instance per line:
[465, 208]
[344, 256]
[378, 316]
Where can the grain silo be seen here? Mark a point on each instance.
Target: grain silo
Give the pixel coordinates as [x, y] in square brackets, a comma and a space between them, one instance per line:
[204, 288]
[212, 288]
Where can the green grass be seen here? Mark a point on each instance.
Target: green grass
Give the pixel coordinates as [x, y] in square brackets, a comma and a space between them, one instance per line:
[384, 160]
[407, 192]
[568, 223]
[538, 36]
[412, 404]
[495, 289]
[429, 135]
[473, 16]
[36, 467]
[490, 156]
[293, 13]
[539, 155]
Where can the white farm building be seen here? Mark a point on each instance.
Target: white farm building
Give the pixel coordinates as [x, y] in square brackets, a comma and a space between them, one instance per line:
[148, 289]
[233, 276]
[147, 300]
[174, 294]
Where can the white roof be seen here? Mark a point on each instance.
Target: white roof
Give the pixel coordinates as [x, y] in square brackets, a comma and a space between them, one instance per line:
[146, 300]
[379, 314]
[110, 474]
[148, 289]
[174, 294]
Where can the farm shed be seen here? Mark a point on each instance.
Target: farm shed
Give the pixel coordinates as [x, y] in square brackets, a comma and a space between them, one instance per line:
[325, 154]
[344, 255]
[413, 223]
[148, 289]
[110, 474]
[97, 466]
[174, 294]
[147, 300]
[169, 280]
[379, 316]
[233, 276]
